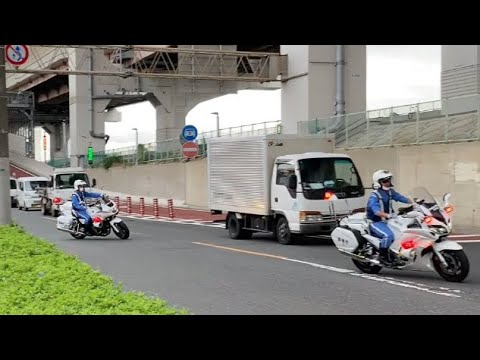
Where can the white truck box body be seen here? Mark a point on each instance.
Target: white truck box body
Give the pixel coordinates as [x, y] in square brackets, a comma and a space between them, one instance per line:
[240, 168]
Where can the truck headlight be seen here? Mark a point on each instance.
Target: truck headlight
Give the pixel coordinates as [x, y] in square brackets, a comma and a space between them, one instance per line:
[310, 216]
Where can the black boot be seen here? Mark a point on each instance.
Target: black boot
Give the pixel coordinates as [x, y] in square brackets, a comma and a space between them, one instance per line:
[89, 231]
[384, 258]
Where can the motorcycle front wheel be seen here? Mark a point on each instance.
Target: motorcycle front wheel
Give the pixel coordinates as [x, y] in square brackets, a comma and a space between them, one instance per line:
[123, 232]
[457, 268]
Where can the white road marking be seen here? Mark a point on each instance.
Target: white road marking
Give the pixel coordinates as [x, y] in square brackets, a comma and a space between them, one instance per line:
[389, 280]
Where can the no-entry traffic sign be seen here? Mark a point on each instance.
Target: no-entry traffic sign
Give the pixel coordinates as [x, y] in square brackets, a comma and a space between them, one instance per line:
[190, 150]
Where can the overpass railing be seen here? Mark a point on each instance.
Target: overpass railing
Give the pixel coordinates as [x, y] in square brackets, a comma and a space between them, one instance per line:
[171, 150]
[442, 121]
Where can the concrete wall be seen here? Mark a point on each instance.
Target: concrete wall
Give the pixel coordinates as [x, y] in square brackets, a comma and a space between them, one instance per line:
[453, 168]
[165, 181]
[183, 182]
[196, 183]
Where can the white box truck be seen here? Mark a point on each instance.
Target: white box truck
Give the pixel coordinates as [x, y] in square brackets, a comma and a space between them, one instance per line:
[286, 184]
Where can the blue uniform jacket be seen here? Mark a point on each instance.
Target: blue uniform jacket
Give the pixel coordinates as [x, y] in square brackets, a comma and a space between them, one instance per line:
[78, 200]
[374, 207]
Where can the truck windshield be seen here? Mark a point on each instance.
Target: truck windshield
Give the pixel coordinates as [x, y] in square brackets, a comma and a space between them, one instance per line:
[338, 175]
[65, 181]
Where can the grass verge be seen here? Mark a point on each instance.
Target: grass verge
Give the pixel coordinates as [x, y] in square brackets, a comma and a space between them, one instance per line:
[37, 278]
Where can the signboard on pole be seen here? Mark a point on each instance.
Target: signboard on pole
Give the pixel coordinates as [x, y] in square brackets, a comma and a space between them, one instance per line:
[189, 133]
[190, 150]
[16, 54]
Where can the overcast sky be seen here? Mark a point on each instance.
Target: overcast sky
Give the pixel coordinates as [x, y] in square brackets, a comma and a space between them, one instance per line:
[396, 75]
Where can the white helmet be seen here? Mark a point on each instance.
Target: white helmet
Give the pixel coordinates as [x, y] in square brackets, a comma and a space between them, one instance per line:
[381, 175]
[78, 183]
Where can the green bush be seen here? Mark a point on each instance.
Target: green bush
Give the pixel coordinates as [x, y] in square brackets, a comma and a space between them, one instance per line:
[37, 278]
[111, 160]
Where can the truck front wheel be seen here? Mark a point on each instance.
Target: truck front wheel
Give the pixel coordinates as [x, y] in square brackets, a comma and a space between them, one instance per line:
[235, 229]
[44, 208]
[282, 232]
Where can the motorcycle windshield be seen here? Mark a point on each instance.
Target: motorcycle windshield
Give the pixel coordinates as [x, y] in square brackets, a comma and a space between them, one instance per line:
[420, 193]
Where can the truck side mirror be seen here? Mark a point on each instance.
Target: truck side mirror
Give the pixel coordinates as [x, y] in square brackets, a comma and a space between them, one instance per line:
[94, 182]
[292, 182]
[50, 183]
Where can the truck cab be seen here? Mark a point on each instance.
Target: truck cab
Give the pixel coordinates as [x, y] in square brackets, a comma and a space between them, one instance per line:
[312, 190]
[60, 188]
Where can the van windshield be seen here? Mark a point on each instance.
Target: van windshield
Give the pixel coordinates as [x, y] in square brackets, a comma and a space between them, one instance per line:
[338, 175]
[13, 184]
[32, 185]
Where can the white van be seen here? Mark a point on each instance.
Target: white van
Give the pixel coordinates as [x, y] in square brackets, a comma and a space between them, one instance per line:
[13, 192]
[27, 196]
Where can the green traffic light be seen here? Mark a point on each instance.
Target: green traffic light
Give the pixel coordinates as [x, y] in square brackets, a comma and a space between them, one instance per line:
[90, 155]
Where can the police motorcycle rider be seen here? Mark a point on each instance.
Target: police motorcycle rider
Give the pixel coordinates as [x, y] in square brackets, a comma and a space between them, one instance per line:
[379, 209]
[80, 206]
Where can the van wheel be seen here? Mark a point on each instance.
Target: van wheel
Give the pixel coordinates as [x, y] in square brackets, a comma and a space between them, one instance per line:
[282, 232]
[235, 228]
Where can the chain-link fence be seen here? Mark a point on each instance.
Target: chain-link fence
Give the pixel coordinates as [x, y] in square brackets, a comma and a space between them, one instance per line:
[171, 150]
[441, 121]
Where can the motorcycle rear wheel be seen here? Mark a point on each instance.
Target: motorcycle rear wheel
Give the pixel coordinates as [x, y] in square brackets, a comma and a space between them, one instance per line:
[367, 268]
[78, 236]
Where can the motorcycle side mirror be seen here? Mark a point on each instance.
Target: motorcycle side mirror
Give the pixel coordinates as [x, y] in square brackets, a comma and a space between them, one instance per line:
[94, 182]
[446, 197]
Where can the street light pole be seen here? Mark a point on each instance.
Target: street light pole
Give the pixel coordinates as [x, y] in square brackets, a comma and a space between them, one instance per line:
[218, 123]
[136, 145]
[5, 209]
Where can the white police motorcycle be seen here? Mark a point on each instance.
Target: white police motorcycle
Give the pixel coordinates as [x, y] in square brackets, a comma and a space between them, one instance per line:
[104, 216]
[421, 232]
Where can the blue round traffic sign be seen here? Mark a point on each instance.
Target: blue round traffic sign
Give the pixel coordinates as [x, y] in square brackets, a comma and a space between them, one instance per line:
[189, 132]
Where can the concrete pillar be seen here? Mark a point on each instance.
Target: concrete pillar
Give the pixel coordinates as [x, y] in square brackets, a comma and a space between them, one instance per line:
[460, 70]
[87, 113]
[57, 148]
[310, 91]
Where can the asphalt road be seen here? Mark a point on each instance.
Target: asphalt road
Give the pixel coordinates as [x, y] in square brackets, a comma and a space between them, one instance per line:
[201, 269]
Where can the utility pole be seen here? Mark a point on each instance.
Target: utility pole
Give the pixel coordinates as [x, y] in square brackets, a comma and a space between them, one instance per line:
[5, 209]
[136, 146]
[218, 123]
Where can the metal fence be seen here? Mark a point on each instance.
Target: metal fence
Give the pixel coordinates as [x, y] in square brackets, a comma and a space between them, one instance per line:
[441, 121]
[171, 150]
